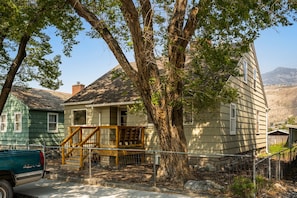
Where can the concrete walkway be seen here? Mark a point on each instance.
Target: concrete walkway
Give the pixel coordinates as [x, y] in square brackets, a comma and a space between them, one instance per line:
[54, 188]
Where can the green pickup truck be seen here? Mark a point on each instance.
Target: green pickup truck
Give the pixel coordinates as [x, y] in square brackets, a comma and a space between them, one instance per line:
[19, 167]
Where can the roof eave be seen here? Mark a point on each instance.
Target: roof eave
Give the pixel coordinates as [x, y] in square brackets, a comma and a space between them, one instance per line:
[78, 103]
[112, 104]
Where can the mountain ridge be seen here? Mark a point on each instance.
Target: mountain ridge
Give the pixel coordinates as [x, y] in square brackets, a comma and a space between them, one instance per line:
[280, 76]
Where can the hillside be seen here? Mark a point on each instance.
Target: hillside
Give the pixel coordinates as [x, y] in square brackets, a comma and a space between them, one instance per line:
[282, 101]
[280, 76]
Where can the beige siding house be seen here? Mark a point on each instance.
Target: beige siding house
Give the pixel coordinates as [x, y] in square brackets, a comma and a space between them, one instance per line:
[238, 127]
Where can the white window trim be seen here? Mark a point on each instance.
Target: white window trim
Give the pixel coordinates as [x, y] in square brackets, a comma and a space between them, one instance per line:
[57, 123]
[245, 71]
[14, 122]
[233, 119]
[5, 129]
[99, 118]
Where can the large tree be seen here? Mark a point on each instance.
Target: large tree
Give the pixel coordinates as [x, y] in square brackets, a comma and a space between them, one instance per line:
[25, 50]
[163, 30]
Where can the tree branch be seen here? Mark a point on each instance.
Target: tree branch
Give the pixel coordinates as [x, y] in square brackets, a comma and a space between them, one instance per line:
[101, 28]
[21, 54]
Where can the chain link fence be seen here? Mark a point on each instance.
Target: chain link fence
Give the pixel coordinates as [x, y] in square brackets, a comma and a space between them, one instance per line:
[137, 166]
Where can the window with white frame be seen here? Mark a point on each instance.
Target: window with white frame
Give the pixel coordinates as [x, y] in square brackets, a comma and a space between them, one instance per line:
[232, 119]
[3, 123]
[17, 122]
[188, 113]
[255, 78]
[79, 117]
[52, 122]
[245, 71]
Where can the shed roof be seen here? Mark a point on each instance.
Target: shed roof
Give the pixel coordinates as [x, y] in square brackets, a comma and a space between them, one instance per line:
[41, 99]
[278, 132]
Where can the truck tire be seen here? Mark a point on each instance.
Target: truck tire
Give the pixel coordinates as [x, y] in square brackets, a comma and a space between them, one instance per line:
[6, 190]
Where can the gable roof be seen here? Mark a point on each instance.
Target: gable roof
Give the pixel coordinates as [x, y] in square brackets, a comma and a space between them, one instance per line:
[107, 89]
[40, 99]
[278, 132]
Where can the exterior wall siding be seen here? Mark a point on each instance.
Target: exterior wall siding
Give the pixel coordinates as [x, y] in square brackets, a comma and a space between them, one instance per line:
[10, 137]
[38, 129]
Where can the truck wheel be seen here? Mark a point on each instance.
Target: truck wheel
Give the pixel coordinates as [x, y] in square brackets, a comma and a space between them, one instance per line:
[5, 189]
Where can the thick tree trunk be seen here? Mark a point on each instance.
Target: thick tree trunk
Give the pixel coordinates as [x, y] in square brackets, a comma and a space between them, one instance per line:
[162, 101]
[13, 71]
[174, 159]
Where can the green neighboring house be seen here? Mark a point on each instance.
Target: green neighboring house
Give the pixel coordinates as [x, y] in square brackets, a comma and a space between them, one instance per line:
[33, 116]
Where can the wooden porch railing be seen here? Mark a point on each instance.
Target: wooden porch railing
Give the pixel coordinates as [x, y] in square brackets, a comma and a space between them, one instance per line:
[82, 137]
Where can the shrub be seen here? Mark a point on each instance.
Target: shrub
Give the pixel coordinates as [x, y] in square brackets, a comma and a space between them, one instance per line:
[242, 187]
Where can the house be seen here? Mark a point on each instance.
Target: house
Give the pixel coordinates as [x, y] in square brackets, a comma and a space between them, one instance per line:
[237, 127]
[33, 116]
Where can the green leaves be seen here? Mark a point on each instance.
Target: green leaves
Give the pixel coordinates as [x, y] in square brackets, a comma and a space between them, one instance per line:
[31, 18]
[210, 68]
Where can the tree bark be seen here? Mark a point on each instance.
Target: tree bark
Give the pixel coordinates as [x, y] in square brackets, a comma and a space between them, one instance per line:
[21, 54]
[167, 111]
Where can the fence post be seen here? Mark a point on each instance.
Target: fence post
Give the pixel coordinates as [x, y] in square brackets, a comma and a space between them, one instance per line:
[269, 168]
[254, 169]
[279, 167]
[276, 167]
[90, 163]
[155, 169]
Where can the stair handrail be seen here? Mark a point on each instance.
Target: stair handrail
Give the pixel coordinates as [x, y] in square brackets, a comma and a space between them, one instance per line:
[80, 145]
[70, 136]
[88, 137]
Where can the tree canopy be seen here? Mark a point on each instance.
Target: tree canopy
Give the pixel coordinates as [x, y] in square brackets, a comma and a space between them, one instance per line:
[25, 50]
[213, 33]
[193, 40]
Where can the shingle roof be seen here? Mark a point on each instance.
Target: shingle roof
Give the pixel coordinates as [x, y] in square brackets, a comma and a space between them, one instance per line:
[106, 90]
[41, 99]
[278, 132]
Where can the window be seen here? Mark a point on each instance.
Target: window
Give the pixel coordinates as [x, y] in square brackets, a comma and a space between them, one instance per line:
[52, 122]
[3, 123]
[17, 122]
[245, 71]
[188, 113]
[255, 78]
[79, 117]
[232, 119]
[123, 118]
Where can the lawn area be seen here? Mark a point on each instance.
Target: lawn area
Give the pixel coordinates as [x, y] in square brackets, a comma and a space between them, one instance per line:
[275, 148]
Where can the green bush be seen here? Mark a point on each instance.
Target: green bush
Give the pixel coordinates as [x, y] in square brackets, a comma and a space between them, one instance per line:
[242, 187]
[262, 184]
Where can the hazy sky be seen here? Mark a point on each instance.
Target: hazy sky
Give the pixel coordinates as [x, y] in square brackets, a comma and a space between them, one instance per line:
[277, 47]
[91, 58]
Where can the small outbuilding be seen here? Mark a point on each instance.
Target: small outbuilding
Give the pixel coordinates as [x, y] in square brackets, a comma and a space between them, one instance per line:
[278, 137]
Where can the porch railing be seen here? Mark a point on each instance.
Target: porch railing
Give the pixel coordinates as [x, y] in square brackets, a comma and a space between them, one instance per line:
[81, 137]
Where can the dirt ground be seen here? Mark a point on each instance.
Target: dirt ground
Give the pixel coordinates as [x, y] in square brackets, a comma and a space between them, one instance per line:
[141, 176]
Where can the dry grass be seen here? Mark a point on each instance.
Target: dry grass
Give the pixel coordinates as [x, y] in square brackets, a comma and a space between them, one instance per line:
[282, 101]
